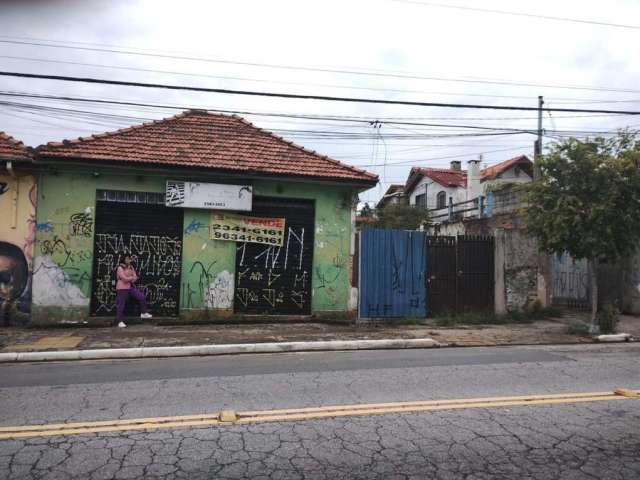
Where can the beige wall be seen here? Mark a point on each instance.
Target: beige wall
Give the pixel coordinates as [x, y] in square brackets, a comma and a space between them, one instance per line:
[17, 236]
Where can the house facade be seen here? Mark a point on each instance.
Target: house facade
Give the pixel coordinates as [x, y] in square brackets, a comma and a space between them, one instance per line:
[433, 187]
[393, 196]
[17, 230]
[221, 218]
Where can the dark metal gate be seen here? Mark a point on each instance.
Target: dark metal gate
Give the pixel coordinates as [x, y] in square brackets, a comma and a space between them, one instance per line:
[571, 286]
[274, 280]
[137, 223]
[441, 270]
[460, 274]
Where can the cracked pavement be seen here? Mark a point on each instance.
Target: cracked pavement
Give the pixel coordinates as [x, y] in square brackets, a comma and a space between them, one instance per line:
[574, 441]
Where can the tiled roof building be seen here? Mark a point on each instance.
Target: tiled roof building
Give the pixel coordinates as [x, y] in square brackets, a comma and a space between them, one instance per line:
[199, 139]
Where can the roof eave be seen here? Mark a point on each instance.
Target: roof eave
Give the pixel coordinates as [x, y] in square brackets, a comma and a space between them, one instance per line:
[74, 162]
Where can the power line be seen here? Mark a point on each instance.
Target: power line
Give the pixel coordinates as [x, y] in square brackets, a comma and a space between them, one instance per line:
[122, 50]
[520, 14]
[323, 85]
[463, 155]
[303, 97]
[245, 79]
[87, 117]
[324, 133]
[338, 118]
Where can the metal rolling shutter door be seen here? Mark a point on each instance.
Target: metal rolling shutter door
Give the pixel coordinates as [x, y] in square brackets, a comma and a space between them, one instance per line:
[152, 233]
[277, 280]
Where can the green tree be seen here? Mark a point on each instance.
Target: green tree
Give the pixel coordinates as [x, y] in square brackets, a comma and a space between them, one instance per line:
[366, 211]
[587, 201]
[401, 216]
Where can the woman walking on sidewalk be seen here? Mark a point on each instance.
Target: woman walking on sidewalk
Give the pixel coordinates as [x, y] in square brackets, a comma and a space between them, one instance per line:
[126, 287]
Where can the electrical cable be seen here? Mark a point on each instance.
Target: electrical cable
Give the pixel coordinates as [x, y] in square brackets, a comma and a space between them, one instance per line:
[301, 96]
[520, 14]
[122, 50]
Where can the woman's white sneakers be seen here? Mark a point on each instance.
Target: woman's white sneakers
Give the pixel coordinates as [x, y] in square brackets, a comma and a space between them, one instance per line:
[143, 315]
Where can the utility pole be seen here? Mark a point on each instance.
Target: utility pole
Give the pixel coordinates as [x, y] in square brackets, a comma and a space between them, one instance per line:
[537, 149]
[544, 280]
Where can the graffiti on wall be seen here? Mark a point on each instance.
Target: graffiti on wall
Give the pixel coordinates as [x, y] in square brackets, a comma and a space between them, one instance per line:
[16, 244]
[156, 258]
[213, 290]
[81, 224]
[331, 275]
[14, 272]
[60, 272]
[61, 277]
[275, 280]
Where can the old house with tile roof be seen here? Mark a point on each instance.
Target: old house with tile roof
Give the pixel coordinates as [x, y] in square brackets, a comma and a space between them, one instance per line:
[221, 218]
[432, 187]
[17, 229]
[394, 195]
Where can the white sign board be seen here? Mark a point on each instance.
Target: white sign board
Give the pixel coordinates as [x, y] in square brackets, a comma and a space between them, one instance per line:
[216, 196]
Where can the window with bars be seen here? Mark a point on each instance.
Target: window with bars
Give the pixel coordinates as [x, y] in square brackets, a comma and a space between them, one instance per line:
[119, 196]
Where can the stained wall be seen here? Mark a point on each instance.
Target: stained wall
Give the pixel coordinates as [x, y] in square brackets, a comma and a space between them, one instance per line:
[65, 240]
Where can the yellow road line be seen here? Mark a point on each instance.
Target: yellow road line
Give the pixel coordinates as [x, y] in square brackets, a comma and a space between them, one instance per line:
[298, 414]
[465, 401]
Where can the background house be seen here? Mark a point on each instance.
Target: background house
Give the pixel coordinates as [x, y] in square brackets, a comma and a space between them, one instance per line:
[394, 195]
[432, 187]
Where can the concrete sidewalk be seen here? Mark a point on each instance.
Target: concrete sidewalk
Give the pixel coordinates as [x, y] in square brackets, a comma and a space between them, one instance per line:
[553, 331]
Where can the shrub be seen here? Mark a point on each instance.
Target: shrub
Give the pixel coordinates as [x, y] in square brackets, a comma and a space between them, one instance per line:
[608, 318]
[578, 328]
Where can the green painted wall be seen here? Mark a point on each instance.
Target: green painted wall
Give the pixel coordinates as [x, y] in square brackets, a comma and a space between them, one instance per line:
[208, 268]
[330, 281]
[64, 247]
[209, 265]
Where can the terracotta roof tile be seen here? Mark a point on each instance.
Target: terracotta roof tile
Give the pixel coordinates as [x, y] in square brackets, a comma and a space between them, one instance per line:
[445, 177]
[458, 178]
[196, 138]
[492, 172]
[12, 149]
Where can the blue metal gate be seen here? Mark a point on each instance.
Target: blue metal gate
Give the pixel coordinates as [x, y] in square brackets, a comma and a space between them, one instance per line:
[392, 266]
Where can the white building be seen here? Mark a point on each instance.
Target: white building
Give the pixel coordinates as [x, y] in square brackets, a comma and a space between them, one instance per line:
[432, 187]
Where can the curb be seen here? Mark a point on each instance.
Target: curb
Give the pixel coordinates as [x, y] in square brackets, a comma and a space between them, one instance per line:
[619, 337]
[203, 350]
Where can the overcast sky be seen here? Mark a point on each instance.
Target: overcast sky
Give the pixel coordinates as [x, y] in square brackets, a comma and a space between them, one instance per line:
[470, 57]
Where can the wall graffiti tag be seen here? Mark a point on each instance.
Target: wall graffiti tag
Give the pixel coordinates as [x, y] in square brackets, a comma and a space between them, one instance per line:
[155, 245]
[156, 258]
[276, 280]
[81, 224]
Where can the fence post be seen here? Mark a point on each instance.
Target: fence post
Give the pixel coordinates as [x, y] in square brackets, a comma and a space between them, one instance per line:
[451, 209]
[499, 293]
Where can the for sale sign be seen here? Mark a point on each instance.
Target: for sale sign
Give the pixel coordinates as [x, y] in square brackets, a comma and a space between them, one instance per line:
[242, 228]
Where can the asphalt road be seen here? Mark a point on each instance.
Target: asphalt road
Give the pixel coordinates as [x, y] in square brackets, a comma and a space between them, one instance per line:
[572, 441]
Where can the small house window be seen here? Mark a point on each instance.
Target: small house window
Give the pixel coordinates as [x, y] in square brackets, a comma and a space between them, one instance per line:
[421, 200]
[441, 200]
